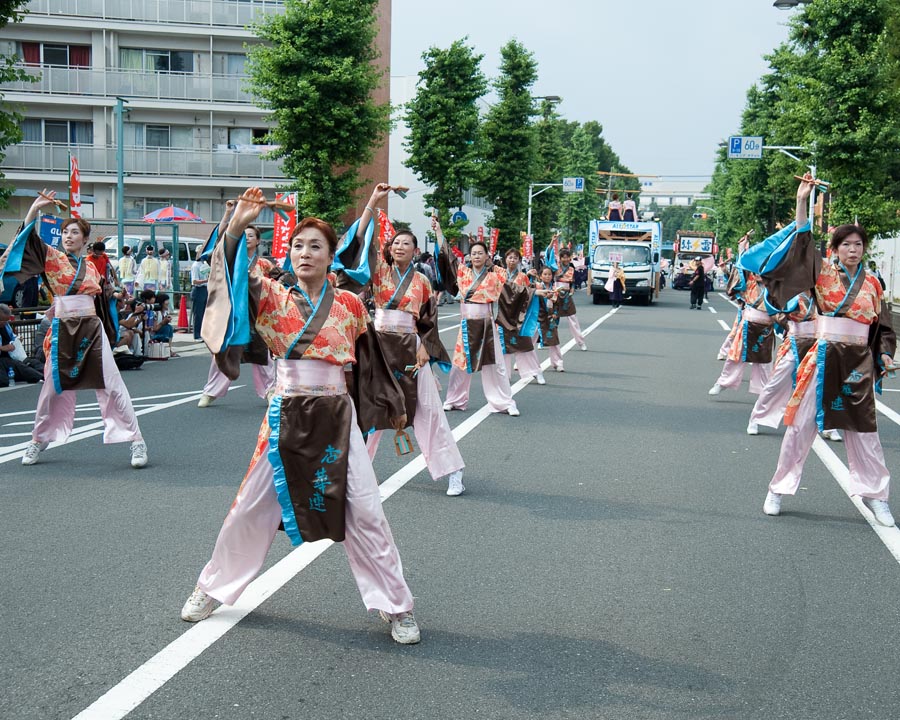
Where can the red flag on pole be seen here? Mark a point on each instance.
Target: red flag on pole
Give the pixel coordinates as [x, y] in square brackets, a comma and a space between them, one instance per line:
[480, 233]
[74, 188]
[385, 228]
[283, 228]
[495, 234]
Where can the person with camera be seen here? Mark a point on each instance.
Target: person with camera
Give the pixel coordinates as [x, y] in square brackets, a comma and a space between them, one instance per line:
[12, 368]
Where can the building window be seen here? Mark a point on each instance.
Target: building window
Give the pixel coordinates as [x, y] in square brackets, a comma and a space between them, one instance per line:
[158, 136]
[232, 64]
[64, 132]
[180, 61]
[58, 55]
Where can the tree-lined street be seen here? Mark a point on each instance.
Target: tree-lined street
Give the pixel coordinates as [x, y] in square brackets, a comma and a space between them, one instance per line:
[609, 559]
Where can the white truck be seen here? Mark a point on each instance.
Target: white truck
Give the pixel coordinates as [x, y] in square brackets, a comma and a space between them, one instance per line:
[636, 247]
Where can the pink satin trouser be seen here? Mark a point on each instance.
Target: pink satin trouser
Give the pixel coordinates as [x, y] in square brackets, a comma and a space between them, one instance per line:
[217, 383]
[253, 519]
[494, 378]
[556, 356]
[432, 431]
[733, 374]
[527, 363]
[869, 477]
[770, 405]
[575, 328]
[55, 415]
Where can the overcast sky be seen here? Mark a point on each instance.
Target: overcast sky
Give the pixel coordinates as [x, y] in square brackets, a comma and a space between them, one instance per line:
[666, 78]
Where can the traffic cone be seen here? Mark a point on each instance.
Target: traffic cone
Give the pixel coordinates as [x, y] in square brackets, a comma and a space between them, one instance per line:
[183, 325]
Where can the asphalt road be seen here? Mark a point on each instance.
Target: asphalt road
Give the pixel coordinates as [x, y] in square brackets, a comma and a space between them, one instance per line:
[609, 559]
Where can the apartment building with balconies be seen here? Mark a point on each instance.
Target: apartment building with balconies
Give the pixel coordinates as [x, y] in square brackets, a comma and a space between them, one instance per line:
[192, 130]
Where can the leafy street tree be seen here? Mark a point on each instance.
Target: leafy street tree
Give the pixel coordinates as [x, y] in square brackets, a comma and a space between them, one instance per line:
[578, 209]
[316, 73]
[508, 157]
[10, 118]
[834, 87]
[551, 157]
[444, 125]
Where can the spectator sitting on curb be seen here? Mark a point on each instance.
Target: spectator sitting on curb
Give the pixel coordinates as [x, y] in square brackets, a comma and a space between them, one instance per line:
[20, 371]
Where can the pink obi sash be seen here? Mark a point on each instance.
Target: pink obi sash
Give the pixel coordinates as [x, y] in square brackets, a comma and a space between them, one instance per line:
[309, 377]
[805, 329]
[757, 316]
[397, 321]
[68, 306]
[473, 311]
[841, 329]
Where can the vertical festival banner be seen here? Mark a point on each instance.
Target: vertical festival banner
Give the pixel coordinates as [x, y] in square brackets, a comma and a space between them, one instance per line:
[481, 233]
[495, 234]
[527, 246]
[284, 225]
[385, 228]
[74, 188]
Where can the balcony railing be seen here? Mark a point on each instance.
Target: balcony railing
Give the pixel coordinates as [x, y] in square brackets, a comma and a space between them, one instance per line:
[55, 80]
[184, 12]
[52, 157]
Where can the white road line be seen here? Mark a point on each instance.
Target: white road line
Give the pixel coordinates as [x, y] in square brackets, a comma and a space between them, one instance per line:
[727, 299]
[890, 536]
[711, 309]
[885, 410]
[724, 325]
[450, 315]
[452, 327]
[15, 452]
[132, 690]
[15, 435]
[890, 390]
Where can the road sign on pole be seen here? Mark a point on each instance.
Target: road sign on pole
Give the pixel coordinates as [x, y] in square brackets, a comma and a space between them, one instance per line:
[745, 147]
[573, 184]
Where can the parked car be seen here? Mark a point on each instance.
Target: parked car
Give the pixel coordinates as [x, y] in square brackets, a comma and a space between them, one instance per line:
[187, 248]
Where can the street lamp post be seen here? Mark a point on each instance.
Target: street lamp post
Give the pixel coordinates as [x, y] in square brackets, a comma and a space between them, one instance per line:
[120, 172]
[532, 194]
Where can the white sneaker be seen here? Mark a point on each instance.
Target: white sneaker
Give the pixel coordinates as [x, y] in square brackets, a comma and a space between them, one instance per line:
[448, 407]
[722, 356]
[582, 347]
[455, 484]
[404, 628]
[513, 412]
[833, 435]
[206, 401]
[560, 368]
[752, 428]
[540, 379]
[32, 451]
[772, 505]
[715, 389]
[138, 454]
[199, 606]
[881, 510]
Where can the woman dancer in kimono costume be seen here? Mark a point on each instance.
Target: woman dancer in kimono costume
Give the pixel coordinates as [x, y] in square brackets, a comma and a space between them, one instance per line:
[77, 348]
[517, 320]
[256, 354]
[406, 323]
[549, 317]
[854, 347]
[754, 340]
[565, 277]
[477, 344]
[310, 471]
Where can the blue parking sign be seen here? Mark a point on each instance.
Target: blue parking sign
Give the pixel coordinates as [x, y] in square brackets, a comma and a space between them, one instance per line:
[736, 143]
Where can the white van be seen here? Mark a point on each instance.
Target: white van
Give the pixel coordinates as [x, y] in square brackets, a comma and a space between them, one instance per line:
[187, 248]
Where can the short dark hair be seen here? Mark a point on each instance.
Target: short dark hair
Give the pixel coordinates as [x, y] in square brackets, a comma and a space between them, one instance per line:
[126, 249]
[98, 246]
[256, 229]
[565, 251]
[478, 242]
[321, 226]
[149, 248]
[842, 232]
[513, 251]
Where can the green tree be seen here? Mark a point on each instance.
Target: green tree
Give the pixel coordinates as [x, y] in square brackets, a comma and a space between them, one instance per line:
[509, 149]
[10, 117]
[316, 73]
[578, 209]
[834, 87]
[444, 125]
[551, 157]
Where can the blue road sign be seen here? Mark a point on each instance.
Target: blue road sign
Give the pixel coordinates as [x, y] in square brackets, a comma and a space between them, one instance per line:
[459, 217]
